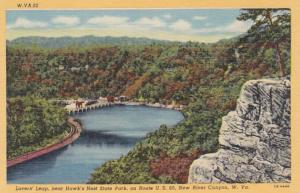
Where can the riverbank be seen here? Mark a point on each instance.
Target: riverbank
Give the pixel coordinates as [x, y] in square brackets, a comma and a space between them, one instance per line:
[71, 107]
[71, 137]
[107, 134]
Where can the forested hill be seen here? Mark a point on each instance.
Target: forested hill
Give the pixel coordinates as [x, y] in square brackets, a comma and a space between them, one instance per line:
[59, 42]
[156, 72]
[206, 78]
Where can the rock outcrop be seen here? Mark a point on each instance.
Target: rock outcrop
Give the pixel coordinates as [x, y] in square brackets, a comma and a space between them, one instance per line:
[254, 139]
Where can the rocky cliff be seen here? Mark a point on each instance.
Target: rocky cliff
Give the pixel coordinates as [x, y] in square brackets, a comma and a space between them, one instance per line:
[254, 139]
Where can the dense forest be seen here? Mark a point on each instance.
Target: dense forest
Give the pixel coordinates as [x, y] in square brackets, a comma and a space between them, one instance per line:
[33, 123]
[206, 78]
[157, 72]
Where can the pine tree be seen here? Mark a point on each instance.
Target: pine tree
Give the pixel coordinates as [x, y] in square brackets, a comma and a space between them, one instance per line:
[270, 28]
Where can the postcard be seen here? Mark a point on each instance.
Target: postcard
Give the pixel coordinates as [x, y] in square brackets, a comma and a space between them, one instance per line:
[139, 96]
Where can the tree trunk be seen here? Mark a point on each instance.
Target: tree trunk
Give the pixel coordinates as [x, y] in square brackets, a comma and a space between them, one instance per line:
[281, 62]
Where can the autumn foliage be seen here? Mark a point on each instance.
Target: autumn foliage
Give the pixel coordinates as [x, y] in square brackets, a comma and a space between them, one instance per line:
[133, 89]
[176, 167]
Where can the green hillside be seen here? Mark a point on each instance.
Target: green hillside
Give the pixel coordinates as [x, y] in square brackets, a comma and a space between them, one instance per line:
[59, 42]
[205, 78]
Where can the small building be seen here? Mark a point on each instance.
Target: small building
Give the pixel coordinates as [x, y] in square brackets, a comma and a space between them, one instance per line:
[122, 98]
[102, 99]
[90, 102]
[61, 67]
[110, 99]
[75, 69]
[170, 69]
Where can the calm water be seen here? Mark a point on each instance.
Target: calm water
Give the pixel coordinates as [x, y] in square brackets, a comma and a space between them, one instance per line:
[108, 133]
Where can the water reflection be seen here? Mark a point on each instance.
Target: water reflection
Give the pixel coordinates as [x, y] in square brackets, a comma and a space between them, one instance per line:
[36, 166]
[89, 138]
[109, 133]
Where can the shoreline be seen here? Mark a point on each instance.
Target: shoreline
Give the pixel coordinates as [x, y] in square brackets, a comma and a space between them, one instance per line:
[76, 130]
[70, 138]
[99, 105]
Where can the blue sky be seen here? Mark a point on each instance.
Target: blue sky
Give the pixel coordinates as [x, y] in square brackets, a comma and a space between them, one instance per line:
[205, 25]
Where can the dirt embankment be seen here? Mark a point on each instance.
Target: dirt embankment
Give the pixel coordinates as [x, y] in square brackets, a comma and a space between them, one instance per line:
[71, 137]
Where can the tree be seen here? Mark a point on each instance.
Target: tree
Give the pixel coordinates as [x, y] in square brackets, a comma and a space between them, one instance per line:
[270, 28]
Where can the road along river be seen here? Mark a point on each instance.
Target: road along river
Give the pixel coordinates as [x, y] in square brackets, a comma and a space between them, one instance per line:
[107, 134]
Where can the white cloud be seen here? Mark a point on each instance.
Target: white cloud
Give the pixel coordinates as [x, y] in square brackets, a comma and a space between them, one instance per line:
[208, 24]
[199, 17]
[152, 22]
[69, 21]
[167, 16]
[108, 20]
[238, 26]
[234, 27]
[181, 25]
[26, 23]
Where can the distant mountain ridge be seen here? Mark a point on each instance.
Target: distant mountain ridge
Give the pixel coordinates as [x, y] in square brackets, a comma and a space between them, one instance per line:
[58, 42]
